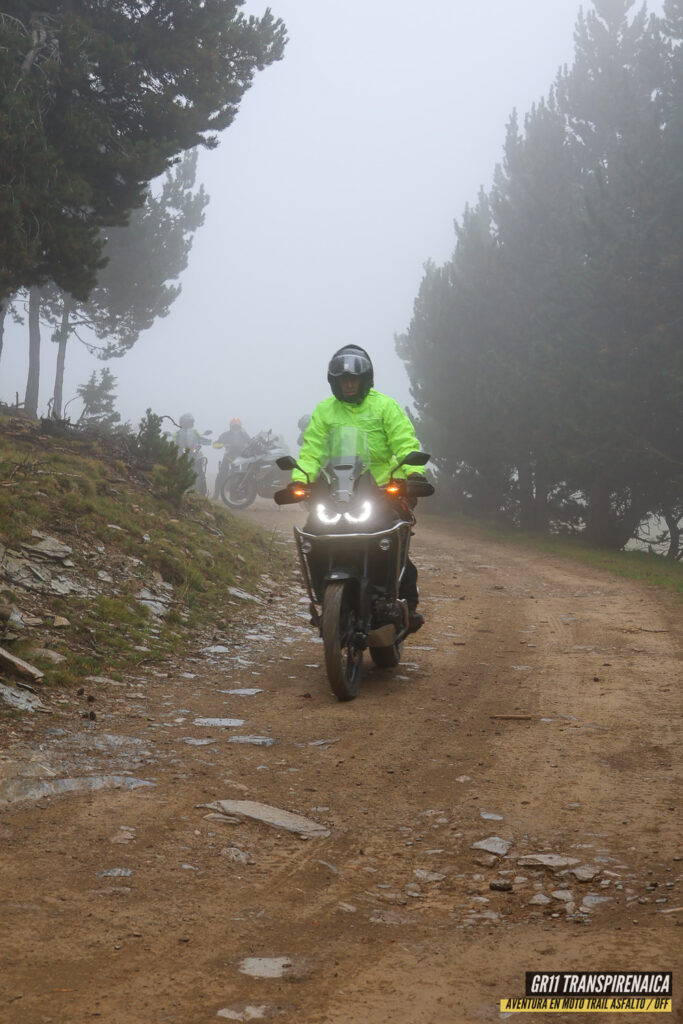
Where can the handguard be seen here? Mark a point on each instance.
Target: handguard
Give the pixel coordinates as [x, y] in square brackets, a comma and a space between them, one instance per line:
[292, 493]
[417, 486]
[414, 487]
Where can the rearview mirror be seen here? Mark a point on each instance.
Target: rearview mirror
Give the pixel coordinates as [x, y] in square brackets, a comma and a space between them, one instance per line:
[289, 462]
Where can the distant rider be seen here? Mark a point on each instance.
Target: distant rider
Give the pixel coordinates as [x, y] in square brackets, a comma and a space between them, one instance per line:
[302, 424]
[234, 440]
[187, 438]
[391, 436]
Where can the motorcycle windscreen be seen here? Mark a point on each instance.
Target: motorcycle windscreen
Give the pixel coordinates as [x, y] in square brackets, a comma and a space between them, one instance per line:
[345, 458]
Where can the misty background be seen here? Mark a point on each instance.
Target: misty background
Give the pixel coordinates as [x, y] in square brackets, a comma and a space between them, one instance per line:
[343, 173]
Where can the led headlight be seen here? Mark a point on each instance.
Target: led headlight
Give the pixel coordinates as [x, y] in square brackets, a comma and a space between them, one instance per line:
[362, 516]
[325, 517]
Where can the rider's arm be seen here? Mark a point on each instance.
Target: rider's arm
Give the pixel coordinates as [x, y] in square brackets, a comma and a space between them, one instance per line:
[400, 434]
[311, 453]
[222, 440]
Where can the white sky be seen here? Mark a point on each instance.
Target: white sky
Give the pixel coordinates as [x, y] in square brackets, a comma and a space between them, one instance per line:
[343, 173]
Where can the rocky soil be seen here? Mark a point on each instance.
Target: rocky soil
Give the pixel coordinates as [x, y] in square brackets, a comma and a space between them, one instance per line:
[506, 800]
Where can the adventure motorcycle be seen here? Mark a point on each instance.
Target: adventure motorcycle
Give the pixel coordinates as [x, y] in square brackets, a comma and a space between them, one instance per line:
[353, 551]
[255, 471]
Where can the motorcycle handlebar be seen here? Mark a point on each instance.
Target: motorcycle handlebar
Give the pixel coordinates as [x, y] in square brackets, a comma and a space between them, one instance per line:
[409, 488]
[296, 492]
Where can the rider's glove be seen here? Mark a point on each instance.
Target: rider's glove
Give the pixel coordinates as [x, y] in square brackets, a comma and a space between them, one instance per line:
[412, 502]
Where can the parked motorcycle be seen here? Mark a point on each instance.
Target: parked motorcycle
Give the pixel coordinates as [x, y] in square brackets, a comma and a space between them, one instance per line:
[353, 551]
[255, 471]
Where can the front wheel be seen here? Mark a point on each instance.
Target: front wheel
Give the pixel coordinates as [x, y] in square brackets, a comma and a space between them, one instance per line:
[343, 659]
[200, 477]
[238, 492]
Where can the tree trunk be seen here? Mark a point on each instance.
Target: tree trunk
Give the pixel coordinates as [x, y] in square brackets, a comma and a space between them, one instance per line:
[626, 527]
[61, 359]
[604, 527]
[533, 496]
[673, 521]
[33, 379]
[3, 313]
[525, 479]
[541, 488]
[597, 514]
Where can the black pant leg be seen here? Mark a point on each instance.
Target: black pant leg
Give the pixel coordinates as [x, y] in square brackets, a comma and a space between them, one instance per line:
[408, 589]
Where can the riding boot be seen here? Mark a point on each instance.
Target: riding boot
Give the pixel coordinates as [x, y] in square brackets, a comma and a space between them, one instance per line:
[415, 620]
[410, 593]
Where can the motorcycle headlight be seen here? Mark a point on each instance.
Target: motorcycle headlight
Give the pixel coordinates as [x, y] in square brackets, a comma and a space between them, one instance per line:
[360, 516]
[329, 519]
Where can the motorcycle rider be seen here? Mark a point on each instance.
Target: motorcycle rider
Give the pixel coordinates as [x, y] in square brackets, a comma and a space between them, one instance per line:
[234, 440]
[188, 439]
[302, 424]
[391, 436]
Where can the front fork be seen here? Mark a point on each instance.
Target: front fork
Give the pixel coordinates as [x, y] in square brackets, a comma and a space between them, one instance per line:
[362, 584]
[362, 587]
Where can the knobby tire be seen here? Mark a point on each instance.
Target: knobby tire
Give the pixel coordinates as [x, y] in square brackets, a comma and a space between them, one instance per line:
[343, 662]
[247, 493]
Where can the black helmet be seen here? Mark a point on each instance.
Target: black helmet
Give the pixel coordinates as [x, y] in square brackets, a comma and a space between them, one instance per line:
[353, 361]
[187, 420]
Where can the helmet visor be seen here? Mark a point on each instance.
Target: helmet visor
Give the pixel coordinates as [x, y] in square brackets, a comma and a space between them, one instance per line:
[352, 363]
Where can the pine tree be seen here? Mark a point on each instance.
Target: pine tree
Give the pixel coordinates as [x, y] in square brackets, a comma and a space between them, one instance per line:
[448, 352]
[98, 397]
[42, 229]
[612, 99]
[670, 331]
[554, 368]
[133, 289]
[534, 202]
[96, 101]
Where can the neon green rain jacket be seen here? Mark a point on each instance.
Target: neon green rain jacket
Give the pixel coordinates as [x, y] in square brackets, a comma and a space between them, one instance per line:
[390, 434]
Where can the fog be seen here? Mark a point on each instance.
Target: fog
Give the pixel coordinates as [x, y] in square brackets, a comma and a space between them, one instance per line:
[343, 173]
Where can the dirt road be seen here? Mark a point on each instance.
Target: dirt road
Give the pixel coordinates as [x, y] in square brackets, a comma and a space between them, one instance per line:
[540, 705]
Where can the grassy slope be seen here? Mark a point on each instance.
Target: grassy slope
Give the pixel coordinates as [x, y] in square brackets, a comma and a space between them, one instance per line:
[109, 514]
[653, 570]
